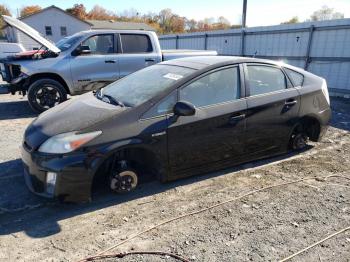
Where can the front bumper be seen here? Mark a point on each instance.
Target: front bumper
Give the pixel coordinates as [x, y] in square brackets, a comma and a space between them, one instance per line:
[73, 179]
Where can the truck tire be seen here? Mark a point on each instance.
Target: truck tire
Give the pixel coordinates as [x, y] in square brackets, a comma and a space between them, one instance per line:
[46, 93]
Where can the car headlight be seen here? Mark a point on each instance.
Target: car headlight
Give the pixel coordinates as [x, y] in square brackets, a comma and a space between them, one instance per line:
[67, 142]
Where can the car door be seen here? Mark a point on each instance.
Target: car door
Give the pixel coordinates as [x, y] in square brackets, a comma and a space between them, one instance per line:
[273, 106]
[98, 66]
[216, 132]
[137, 53]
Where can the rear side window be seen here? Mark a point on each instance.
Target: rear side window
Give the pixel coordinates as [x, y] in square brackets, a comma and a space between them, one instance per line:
[133, 43]
[265, 79]
[297, 78]
[214, 88]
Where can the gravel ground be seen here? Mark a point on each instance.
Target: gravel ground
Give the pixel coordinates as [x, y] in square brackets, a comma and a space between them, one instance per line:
[266, 226]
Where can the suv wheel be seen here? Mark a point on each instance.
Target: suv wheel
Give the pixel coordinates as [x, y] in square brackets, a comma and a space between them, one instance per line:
[46, 93]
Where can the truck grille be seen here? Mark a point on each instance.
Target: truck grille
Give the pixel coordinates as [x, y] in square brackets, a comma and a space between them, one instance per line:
[15, 71]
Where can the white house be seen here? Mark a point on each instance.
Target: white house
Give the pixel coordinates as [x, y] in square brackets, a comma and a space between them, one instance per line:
[54, 23]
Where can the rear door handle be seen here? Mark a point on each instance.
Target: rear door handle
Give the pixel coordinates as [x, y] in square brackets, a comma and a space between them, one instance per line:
[110, 61]
[150, 60]
[236, 119]
[291, 102]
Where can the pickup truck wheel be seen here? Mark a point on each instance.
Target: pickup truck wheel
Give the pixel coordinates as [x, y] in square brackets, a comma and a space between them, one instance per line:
[46, 93]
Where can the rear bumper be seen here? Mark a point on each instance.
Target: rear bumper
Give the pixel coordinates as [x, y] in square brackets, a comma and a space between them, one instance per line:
[73, 178]
[325, 117]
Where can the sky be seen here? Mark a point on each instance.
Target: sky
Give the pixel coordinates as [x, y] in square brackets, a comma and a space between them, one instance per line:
[260, 12]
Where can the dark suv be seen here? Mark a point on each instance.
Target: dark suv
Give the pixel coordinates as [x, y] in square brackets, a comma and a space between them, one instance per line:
[172, 120]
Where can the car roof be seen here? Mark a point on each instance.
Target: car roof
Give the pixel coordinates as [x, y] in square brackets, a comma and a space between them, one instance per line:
[200, 62]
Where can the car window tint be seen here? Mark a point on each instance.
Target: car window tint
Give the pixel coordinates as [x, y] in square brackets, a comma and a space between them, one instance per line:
[265, 79]
[164, 107]
[100, 44]
[133, 43]
[217, 87]
[297, 78]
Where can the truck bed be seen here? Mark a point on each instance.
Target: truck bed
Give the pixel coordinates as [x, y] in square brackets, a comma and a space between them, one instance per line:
[174, 53]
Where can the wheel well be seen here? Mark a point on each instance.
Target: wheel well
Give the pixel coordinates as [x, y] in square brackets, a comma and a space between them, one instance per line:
[142, 160]
[53, 76]
[312, 127]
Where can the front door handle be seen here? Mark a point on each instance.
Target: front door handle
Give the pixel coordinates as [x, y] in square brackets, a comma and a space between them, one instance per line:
[235, 119]
[150, 60]
[110, 61]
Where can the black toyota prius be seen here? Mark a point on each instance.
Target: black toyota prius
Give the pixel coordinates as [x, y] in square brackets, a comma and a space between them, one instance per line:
[173, 120]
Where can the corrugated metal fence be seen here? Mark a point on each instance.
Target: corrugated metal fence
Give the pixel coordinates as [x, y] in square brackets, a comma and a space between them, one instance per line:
[322, 47]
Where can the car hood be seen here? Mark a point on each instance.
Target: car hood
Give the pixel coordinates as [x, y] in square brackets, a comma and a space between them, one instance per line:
[73, 115]
[31, 32]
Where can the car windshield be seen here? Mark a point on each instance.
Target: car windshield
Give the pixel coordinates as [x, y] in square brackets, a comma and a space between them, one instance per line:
[67, 42]
[145, 84]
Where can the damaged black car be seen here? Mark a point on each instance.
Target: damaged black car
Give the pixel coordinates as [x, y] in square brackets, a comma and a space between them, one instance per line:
[172, 120]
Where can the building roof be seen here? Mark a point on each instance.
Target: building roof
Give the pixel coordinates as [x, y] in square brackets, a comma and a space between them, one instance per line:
[55, 7]
[110, 24]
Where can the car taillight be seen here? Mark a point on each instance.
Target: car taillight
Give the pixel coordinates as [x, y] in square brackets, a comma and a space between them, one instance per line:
[325, 91]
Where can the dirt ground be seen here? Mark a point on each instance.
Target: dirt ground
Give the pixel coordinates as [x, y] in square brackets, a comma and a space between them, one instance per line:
[266, 226]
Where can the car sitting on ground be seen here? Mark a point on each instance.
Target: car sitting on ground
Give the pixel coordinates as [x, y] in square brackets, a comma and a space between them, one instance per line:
[80, 63]
[172, 120]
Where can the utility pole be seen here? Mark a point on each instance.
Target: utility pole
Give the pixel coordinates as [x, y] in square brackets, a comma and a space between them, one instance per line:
[244, 14]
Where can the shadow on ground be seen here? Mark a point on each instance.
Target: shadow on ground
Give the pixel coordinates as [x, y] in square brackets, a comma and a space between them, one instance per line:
[340, 113]
[15, 110]
[20, 210]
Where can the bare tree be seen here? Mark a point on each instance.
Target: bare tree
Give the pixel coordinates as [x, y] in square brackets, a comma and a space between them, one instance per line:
[4, 10]
[326, 13]
[78, 10]
[100, 13]
[293, 20]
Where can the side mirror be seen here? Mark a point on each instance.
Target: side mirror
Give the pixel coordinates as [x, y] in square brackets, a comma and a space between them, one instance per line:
[81, 50]
[183, 108]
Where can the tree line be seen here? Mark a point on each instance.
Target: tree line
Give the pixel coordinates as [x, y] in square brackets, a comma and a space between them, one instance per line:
[164, 22]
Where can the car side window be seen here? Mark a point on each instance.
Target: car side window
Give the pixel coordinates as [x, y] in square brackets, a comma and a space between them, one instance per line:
[164, 107]
[214, 88]
[136, 43]
[297, 78]
[100, 44]
[265, 79]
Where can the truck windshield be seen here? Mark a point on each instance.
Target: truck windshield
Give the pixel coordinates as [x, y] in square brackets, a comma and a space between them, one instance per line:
[67, 42]
[145, 84]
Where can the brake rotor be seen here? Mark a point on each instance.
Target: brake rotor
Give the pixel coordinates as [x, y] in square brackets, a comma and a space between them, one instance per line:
[124, 181]
[299, 141]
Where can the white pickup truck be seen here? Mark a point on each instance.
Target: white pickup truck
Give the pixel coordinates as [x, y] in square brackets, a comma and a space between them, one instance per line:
[7, 49]
[82, 62]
